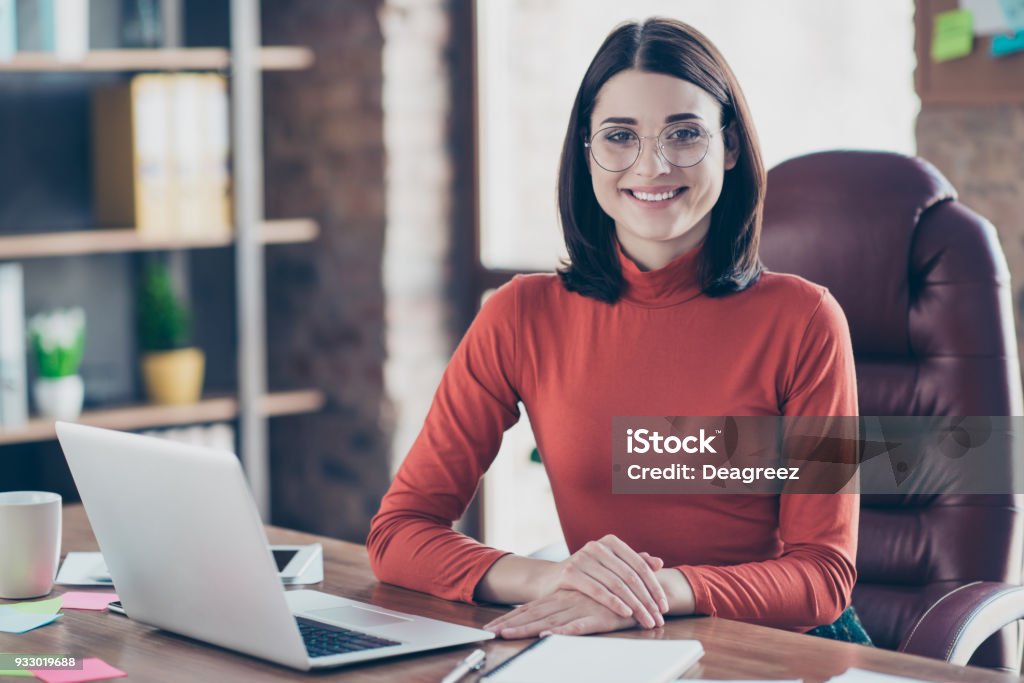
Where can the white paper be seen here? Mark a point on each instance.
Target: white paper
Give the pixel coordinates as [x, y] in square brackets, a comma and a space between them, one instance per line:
[988, 17]
[557, 658]
[89, 569]
[863, 676]
[83, 569]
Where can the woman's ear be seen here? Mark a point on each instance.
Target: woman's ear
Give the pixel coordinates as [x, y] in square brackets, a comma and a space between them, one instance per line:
[586, 155]
[732, 146]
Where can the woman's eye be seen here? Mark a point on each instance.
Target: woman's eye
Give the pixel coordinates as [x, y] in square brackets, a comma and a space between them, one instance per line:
[684, 134]
[620, 137]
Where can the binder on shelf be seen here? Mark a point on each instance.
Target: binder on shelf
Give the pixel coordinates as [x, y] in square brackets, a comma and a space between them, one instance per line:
[218, 152]
[71, 29]
[201, 154]
[34, 25]
[8, 29]
[160, 149]
[13, 372]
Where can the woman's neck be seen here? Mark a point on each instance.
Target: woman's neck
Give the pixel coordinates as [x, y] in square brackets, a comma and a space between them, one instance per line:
[655, 254]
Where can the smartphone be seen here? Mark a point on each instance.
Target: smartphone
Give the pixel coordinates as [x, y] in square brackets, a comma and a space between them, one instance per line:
[292, 560]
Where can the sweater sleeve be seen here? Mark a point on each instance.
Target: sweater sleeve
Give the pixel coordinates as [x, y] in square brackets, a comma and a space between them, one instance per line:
[411, 541]
[810, 584]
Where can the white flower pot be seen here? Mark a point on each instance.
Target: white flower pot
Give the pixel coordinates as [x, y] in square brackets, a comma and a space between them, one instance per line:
[59, 398]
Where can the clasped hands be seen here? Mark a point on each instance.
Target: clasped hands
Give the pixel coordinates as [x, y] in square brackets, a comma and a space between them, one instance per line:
[605, 586]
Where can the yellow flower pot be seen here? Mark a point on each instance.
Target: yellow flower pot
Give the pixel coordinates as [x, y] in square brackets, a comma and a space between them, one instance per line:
[173, 377]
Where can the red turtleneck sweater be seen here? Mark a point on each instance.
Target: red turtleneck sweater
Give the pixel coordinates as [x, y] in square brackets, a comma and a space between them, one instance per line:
[781, 347]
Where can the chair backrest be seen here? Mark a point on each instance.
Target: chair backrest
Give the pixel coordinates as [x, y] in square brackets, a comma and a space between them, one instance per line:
[925, 287]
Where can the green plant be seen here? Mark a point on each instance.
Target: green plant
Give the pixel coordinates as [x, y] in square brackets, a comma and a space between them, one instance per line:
[58, 341]
[164, 322]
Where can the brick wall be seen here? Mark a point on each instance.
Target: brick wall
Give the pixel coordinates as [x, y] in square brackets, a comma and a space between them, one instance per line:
[360, 143]
[324, 155]
[981, 151]
[420, 173]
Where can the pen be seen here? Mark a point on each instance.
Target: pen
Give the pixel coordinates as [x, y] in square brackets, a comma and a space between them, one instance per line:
[473, 662]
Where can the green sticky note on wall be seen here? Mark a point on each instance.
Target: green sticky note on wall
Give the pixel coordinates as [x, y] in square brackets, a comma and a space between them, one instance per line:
[952, 35]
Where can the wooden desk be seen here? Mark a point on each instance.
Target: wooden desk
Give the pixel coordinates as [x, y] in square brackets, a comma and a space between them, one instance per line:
[733, 650]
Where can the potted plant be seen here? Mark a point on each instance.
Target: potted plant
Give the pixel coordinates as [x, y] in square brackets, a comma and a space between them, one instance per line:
[57, 339]
[172, 369]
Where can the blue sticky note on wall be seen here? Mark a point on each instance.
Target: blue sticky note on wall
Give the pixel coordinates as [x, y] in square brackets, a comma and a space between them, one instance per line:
[1007, 45]
[1013, 10]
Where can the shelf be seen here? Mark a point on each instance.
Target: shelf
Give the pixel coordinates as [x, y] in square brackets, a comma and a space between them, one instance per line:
[119, 240]
[145, 416]
[270, 59]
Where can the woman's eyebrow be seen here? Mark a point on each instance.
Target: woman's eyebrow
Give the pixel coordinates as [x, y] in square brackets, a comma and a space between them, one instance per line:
[625, 120]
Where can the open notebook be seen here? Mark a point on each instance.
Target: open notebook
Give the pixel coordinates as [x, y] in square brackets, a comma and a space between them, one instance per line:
[556, 659]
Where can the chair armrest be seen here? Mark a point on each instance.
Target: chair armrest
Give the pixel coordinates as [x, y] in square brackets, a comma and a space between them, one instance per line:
[961, 620]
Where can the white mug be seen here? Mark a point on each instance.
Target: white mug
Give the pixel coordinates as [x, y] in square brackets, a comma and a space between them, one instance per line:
[29, 543]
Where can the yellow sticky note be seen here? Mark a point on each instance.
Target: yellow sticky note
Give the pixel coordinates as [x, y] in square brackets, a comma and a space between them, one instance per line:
[952, 35]
[51, 606]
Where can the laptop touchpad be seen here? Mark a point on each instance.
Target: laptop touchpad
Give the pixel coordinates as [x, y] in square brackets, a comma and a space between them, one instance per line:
[356, 616]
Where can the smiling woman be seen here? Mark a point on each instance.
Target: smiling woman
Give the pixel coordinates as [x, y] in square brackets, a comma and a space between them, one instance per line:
[663, 308]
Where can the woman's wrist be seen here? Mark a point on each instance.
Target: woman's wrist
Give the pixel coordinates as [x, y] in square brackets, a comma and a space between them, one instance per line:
[515, 579]
[681, 600]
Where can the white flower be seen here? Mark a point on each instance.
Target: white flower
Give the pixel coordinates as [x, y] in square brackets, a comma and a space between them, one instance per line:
[58, 329]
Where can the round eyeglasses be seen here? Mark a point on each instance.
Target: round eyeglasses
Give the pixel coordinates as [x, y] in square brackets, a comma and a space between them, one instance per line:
[681, 144]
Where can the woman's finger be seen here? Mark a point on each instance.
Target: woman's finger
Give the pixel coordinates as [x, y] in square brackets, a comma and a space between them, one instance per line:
[611, 581]
[580, 626]
[642, 569]
[539, 612]
[635, 584]
[531, 627]
[595, 590]
[506, 616]
[656, 562]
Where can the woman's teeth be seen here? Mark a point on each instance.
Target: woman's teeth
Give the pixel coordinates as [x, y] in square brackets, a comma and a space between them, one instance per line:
[660, 196]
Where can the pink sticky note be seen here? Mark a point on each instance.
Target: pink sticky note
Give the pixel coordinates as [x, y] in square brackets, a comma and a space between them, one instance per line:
[89, 600]
[93, 669]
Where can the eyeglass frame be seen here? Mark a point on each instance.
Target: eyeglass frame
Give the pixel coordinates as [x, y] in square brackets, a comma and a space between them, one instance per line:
[588, 144]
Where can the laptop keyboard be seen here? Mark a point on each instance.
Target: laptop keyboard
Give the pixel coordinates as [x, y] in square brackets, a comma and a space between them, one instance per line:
[323, 639]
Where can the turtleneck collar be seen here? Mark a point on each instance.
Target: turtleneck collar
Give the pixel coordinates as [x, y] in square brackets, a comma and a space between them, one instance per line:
[674, 283]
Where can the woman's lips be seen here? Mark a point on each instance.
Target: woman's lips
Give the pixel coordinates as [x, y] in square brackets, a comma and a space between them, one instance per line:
[654, 199]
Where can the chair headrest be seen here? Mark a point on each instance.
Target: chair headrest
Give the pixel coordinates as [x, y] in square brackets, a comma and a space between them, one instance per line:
[847, 220]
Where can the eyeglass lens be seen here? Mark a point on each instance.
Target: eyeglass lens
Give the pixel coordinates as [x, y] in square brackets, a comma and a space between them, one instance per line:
[683, 144]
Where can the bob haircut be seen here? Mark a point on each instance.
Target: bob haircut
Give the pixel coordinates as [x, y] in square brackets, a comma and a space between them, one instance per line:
[729, 258]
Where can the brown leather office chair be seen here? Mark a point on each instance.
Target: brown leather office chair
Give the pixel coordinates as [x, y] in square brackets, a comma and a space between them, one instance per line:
[925, 287]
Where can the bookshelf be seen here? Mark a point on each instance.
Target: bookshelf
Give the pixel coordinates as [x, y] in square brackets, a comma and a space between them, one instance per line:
[122, 240]
[148, 416]
[168, 59]
[237, 258]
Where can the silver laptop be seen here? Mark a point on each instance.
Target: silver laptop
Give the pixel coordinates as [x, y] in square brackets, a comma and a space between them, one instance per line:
[185, 546]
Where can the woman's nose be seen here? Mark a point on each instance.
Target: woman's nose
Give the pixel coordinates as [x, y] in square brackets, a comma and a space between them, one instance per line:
[651, 162]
